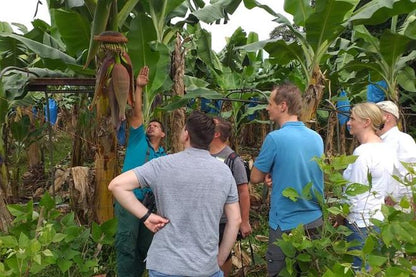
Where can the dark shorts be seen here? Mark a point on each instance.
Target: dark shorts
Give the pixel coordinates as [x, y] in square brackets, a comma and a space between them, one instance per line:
[275, 257]
[222, 227]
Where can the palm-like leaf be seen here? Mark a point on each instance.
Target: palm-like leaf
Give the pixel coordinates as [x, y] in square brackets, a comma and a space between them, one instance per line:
[57, 58]
[386, 57]
[379, 11]
[74, 29]
[327, 22]
[159, 11]
[144, 50]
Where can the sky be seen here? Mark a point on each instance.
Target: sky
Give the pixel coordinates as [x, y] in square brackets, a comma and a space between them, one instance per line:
[254, 20]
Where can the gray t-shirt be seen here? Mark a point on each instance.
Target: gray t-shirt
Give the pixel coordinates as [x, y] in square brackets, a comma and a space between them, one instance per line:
[191, 188]
[238, 170]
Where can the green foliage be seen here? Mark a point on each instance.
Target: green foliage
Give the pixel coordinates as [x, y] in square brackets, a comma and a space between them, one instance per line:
[42, 240]
[389, 252]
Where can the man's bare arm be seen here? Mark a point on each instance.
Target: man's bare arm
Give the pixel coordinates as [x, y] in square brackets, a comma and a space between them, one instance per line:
[244, 196]
[122, 188]
[142, 79]
[232, 212]
[256, 176]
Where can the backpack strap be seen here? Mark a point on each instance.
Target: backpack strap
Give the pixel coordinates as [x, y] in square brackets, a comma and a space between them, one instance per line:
[230, 160]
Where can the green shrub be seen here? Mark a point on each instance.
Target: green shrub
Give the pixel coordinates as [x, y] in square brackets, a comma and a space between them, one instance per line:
[390, 252]
[43, 242]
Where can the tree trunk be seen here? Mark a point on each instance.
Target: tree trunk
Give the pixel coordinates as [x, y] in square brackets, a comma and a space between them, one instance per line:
[312, 97]
[343, 146]
[177, 118]
[5, 216]
[106, 162]
[76, 157]
[330, 134]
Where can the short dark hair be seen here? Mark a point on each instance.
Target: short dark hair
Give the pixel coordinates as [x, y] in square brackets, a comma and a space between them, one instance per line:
[201, 129]
[160, 123]
[290, 94]
[224, 127]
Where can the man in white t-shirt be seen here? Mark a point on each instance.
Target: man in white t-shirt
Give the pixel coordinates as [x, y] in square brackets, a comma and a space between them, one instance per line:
[402, 143]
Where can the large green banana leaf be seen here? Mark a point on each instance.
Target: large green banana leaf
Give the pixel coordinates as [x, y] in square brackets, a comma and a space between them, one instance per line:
[379, 11]
[392, 47]
[56, 58]
[159, 11]
[216, 11]
[407, 79]
[327, 22]
[74, 29]
[300, 10]
[143, 48]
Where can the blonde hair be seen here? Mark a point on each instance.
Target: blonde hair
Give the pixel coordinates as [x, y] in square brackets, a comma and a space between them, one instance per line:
[370, 111]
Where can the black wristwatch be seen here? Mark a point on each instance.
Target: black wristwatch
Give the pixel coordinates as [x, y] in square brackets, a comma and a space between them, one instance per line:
[144, 218]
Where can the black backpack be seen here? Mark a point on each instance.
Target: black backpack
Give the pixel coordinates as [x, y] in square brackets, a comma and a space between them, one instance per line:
[230, 162]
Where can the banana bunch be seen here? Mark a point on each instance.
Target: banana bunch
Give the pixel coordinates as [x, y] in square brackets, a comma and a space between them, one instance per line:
[114, 78]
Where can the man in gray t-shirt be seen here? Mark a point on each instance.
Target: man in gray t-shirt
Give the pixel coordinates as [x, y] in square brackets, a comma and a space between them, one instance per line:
[192, 189]
[221, 151]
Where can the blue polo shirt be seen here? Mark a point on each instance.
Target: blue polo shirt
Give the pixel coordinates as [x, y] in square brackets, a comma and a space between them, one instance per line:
[287, 154]
[139, 150]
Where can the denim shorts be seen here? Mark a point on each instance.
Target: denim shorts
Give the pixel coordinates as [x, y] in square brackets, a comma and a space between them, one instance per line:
[359, 234]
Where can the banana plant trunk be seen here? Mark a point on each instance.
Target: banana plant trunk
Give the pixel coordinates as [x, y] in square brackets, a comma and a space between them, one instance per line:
[76, 153]
[114, 86]
[106, 161]
[330, 135]
[5, 216]
[177, 118]
[312, 97]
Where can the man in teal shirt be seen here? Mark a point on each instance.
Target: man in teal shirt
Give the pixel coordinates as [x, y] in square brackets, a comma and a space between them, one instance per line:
[133, 238]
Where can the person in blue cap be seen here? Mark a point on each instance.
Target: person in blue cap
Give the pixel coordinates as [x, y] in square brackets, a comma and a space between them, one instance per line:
[133, 239]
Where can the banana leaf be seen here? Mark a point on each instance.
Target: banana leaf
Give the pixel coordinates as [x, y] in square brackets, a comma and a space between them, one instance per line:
[74, 29]
[379, 11]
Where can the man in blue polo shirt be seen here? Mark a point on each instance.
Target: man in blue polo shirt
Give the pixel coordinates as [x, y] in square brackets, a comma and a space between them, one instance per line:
[286, 157]
[133, 238]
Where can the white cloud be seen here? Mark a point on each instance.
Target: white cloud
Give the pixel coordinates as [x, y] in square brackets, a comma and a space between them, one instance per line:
[23, 11]
[254, 20]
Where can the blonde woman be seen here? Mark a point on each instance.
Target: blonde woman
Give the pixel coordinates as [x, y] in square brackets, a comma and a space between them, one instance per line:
[375, 159]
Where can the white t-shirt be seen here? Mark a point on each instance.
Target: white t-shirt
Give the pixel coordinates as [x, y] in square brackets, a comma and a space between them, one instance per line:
[405, 148]
[377, 160]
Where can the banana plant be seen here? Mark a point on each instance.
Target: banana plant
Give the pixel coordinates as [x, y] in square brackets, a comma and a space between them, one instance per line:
[322, 24]
[387, 57]
[154, 47]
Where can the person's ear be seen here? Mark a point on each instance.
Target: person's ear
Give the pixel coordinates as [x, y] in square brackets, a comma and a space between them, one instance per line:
[284, 106]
